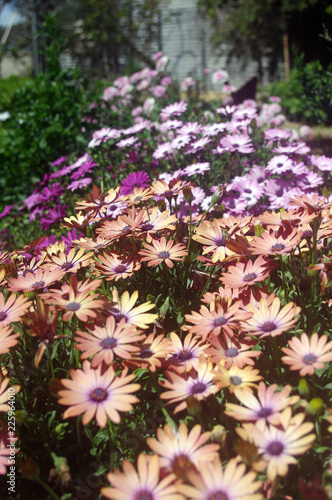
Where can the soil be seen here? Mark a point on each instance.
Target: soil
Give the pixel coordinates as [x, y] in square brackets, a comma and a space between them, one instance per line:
[320, 145]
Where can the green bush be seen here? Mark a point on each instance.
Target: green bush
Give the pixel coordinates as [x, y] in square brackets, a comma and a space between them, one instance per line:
[8, 86]
[307, 97]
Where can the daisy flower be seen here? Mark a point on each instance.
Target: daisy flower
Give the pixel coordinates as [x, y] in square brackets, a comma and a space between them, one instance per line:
[175, 109]
[96, 244]
[137, 195]
[214, 238]
[280, 243]
[13, 308]
[39, 280]
[136, 180]
[152, 352]
[180, 450]
[162, 251]
[115, 266]
[199, 387]
[246, 274]
[223, 349]
[95, 394]
[143, 484]
[267, 406]
[236, 378]
[4, 394]
[186, 353]
[7, 338]
[5, 450]
[278, 446]
[103, 343]
[81, 304]
[213, 482]
[154, 221]
[269, 319]
[124, 308]
[307, 355]
[71, 262]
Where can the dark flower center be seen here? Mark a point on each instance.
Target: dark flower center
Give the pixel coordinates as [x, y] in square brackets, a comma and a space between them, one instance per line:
[183, 355]
[231, 352]
[248, 191]
[138, 198]
[163, 255]
[307, 234]
[39, 284]
[264, 412]
[198, 387]
[73, 306]
[99, 394]
[121, 268]
[146, 353]
[277, 247]
[108, 343]
[67, 265]
[146, 227]
[236, 380]
[181, 464]
[144, 495]
[249, 277]
[220, 243]
[268, 326]
[310, 359]
[125, 229]
[218, 495]
[275, 448]
[118, 316]
[220, 321]
[3, 315]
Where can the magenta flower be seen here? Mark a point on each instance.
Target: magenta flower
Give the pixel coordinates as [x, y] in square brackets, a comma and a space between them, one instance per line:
[54, 215]
[136, 179]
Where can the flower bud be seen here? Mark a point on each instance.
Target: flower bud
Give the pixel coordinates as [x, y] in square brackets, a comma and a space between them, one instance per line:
[316, 407]
[304, 387]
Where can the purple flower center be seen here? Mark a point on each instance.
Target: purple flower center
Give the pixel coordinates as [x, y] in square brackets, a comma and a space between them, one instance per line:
[231, 352]
[307, 234]
[218, 495]
[248, 191]
[236, 380]
[73, 306]
[163, 255]
[220, 321]
[108, 343]
[39, 284]
[183, 355]
[118, 316]
[138, 198]
[264, 412]
[146, 353]
[121, 268]
[3, 315]
[268, 326]
[249, 277]
[220, 242]
[277, 247]
[144, 495]
[275, 448]
[67, 265]
[198, 387]
[99, 394]
[310, 359]
[146, 227]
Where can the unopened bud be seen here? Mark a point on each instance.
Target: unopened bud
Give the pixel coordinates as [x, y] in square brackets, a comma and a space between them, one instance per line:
[218, 195]
[316, 407]
[304, 387]
[188, 194]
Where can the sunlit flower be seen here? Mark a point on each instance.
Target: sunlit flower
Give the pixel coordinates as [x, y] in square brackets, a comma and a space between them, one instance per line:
[97, 201]
[162, 251]
[114, 266]
[181, 388]
[39, 280]
[13, 308]
[266, 406]
[269, 319]
[152, 352]
[4, 394]
[96, 244]
[71, 262]
[213, 482]
[228, 351]
[136, 180]
[95, 394]
[214, 238]
[7, 338]
[248, 273]
[278, 446]
[124, 308]
[186, 353]
[103, 343]
[315, 204]
[271, 243]
[145, 484]
[307, 354]
[81, 304]
[179, 449]
[236, 378]
[175, 109]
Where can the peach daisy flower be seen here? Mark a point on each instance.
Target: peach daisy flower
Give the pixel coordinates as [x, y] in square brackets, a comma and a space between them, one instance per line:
[236, 378]
[214, 239]
[152, 352]
[180, 450]
[103, 343]
[81, 304]
[229, 352]
[97, 201]
[7, 338]
[307, 355]
[155, 221]
[266, 407]
[312, 205]
[278, 446]
[39, 280]
[13, 308]
[270, 320]
[124, 308]
[5, 451]
[96, 244]
[213, 482]
[78, 221]
[115, 266]
[95, 394]
[280, 243]
[162, 251]
[143, 484]
[199, 387]
[246, 274]
[186, 353]
[4, 394]
[138, 195]
[70, 262]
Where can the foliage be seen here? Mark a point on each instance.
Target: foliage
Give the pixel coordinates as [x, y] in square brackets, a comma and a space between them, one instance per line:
[307, 97]
[8, 86]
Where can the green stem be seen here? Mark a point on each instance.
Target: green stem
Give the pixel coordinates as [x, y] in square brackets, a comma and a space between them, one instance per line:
[16, 364]
[276, 357]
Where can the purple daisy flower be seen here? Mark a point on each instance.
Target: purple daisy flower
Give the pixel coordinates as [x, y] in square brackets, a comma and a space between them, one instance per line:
[6, 211]
[54, 215]
[136, 179]
[79, 183]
